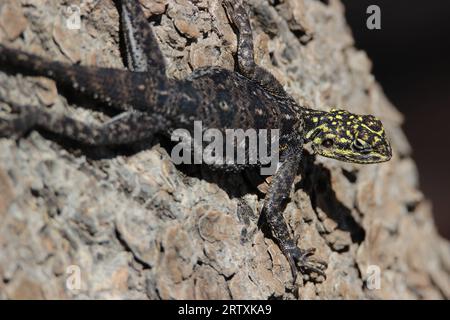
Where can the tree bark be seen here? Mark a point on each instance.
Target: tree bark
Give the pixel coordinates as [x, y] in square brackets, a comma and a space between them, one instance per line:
[133, 225]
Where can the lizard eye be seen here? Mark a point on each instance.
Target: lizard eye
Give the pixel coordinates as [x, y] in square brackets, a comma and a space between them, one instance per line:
[360, 146]
[327, 143]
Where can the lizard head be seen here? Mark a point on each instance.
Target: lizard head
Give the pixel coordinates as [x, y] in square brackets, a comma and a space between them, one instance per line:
[345, 136]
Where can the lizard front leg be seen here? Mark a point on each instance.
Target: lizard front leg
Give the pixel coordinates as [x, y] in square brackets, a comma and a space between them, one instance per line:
[125, 128]
[274, 205]
[246, 61]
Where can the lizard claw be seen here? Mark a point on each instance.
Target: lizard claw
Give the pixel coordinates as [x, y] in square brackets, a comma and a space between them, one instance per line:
[15, 107]
[307, 265]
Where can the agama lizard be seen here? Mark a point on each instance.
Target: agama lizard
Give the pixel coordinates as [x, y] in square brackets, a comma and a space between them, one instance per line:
[151, 102]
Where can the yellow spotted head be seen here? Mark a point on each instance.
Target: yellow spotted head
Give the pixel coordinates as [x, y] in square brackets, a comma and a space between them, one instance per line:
[345, 136]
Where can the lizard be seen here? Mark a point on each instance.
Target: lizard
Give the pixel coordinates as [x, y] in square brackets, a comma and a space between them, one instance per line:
[147, 102]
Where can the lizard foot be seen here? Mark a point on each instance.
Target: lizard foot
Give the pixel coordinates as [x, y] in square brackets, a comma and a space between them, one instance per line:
[305, 263]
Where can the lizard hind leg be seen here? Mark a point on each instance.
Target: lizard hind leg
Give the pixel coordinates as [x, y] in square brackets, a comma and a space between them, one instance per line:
[238, 16]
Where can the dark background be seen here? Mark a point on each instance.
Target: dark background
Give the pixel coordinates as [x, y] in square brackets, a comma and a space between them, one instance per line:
[411, 60]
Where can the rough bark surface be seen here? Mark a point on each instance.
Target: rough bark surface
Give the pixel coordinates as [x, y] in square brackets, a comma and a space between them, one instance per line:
[136, 226]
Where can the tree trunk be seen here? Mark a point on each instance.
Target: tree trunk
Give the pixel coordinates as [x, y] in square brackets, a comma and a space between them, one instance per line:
[133, 225]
